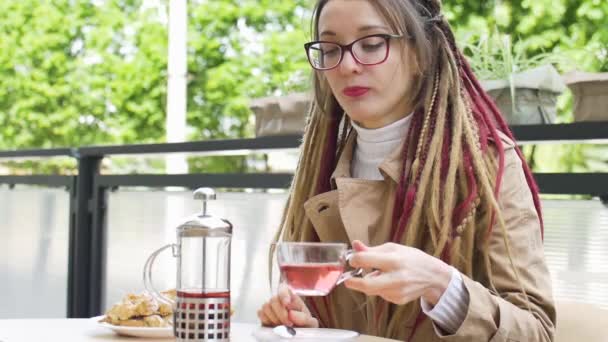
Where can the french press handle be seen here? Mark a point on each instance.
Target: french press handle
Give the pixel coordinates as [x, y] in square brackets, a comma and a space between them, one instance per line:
[148, 284]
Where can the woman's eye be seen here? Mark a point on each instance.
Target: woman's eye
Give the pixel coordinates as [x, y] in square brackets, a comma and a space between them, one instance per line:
[372, 47]
[330, 52]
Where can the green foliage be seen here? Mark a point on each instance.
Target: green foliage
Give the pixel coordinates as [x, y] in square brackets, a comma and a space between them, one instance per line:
[73, 73]
[572, 28]
[240, 50]
[84, 72]
[496, 56]
[570, 34]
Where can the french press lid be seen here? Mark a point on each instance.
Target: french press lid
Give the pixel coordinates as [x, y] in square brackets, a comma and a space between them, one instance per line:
[203, 223]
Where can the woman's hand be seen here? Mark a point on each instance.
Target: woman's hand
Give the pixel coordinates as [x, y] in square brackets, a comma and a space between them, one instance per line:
[401, 274]
[288, 309]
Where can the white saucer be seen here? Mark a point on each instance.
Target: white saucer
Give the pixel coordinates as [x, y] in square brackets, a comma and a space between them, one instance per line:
[306, 334]
[147, 332]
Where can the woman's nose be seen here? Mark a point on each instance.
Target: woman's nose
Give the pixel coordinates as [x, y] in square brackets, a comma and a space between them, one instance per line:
[349, 64]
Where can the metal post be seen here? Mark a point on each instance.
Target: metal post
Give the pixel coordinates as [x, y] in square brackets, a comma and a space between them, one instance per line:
[80, 261]
[98, 250]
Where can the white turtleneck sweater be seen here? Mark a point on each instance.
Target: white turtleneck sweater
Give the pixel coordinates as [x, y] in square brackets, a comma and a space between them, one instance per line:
[372, 147]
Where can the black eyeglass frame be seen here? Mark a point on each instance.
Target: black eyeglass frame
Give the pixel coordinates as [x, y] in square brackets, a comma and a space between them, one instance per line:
[344, 48]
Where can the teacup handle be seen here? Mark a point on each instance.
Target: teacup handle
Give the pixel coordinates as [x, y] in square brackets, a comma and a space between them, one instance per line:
[350, 274]
[148, 273]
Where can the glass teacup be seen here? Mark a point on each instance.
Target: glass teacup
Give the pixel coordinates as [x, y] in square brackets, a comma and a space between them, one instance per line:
[314, 269]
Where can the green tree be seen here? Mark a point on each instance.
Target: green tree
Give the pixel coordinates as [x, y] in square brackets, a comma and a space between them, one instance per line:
[569, 27]
[75, 73]
[82, 72]
[88, 72]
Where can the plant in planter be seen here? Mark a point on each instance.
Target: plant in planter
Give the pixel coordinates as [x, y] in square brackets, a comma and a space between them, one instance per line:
[280, 115]
[590, 91]
[524, 88]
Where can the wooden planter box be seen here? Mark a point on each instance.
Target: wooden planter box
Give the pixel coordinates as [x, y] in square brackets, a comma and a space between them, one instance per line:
[280, 115]
[536, 92]
[590, 91]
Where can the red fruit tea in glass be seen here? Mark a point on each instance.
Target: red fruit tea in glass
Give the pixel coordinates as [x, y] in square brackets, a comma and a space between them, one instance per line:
[313, 279]
[313, 269]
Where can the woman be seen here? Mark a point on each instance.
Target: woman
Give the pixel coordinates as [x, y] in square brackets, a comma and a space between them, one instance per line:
[404, 151]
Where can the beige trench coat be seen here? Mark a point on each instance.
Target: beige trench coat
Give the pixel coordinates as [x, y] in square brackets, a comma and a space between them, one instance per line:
[359, 209]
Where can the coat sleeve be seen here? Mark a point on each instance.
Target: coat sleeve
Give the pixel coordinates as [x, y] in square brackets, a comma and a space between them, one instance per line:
[504, 315]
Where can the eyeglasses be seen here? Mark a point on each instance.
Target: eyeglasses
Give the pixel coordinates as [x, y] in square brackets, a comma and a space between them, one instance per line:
[368, 50]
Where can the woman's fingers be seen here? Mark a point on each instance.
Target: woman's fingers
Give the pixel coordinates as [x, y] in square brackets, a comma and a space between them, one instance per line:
[296, 303]
[280, 310]
[269, 313]
[303, 319]
[264, 318]
[373, 274]
[284, 294]
[276, 310]
[374, 260]
[371, 285]
[286, 308]
[359, 246]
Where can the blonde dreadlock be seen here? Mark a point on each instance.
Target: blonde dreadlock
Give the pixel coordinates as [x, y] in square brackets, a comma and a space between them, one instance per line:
[450, 193]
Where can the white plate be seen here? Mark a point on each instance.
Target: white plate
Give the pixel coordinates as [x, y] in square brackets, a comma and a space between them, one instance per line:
[166, 332]
[306, 334]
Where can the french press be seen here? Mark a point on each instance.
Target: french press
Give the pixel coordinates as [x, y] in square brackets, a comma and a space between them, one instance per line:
[201, 310]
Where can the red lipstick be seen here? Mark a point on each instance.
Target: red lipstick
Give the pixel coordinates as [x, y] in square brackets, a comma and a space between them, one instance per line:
[355, 91]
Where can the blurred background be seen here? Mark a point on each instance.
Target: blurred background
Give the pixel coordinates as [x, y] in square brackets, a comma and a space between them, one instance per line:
[89, 72]
[95, 72]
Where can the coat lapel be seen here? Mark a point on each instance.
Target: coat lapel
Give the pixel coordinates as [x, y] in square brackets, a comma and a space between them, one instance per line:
[323, 212]
[355, 198]
[356, 208]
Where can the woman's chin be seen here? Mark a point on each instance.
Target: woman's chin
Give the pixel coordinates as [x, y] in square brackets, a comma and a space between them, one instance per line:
[362, 117]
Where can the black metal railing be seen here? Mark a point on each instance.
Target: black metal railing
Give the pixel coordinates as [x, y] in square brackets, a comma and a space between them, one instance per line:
[89, 190]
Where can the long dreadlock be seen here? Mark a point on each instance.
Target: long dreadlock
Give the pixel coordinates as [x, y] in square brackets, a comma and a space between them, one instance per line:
[450, 192]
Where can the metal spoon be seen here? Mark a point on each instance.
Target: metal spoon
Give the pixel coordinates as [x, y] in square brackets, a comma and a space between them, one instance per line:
[284, 331]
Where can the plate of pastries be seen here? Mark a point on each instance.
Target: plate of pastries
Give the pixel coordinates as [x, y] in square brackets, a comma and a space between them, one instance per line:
[140, 315]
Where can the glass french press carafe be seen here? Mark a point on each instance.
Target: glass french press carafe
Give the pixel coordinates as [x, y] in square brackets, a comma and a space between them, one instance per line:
[201, 310]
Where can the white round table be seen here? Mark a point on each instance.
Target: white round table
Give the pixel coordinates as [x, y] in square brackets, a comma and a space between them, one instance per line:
[85, 330]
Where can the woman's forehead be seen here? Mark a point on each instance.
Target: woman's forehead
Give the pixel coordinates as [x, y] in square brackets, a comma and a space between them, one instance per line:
[350, 17]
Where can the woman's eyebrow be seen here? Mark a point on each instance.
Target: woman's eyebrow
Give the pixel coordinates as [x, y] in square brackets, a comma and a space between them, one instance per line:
[328, 33]
[361, 29]
[372, 27]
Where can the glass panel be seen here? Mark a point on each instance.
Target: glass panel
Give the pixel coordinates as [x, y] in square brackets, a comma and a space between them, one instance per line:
[34, 225]
[140, 222]
[576, 233]
[576, 236]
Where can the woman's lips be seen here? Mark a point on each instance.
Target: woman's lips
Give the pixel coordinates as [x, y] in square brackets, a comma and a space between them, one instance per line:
[355, 91]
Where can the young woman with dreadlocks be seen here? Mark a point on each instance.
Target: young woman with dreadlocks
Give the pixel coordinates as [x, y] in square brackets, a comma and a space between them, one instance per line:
[406, 158]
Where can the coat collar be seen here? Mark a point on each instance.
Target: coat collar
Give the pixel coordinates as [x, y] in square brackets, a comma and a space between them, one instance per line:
[390, 166]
